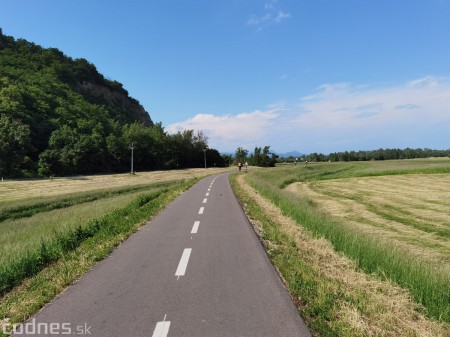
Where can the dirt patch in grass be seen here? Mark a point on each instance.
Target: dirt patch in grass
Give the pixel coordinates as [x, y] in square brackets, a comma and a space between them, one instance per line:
[367, 305]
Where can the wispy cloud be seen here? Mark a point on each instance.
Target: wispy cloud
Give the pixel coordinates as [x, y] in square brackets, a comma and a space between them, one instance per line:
[339, 117]
[340, 105]
[270, 5]
[361, 117]
[408, 106]
[270, 15]
[281, 16]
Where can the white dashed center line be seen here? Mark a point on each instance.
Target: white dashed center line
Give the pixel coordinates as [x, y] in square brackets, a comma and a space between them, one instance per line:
[181, 270]
[207, 194]
[201, 210]
[205, 200]
[195, 227]
[161, 329]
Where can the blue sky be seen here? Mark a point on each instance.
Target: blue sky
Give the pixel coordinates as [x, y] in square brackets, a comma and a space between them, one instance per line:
[306, 75]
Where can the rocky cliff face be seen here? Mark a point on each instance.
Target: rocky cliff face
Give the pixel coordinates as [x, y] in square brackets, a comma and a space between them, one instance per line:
[115, 98]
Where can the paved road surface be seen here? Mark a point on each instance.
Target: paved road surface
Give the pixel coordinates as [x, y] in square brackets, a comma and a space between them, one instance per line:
[196, 270]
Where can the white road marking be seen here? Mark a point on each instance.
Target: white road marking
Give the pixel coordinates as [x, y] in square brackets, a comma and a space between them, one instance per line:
[205, 200]
[209, 190]
[195, 227]
[200, 211]
[181, 270]
[207, 194]
[161, 329]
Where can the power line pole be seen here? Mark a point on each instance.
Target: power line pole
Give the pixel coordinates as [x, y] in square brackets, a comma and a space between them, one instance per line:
[204, 151]
[132, 147]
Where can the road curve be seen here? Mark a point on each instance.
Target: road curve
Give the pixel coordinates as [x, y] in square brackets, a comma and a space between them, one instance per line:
[197, 270]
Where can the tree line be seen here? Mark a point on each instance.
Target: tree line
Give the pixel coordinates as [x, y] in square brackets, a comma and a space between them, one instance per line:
[380, 154]
[74, 151]
[261, 156]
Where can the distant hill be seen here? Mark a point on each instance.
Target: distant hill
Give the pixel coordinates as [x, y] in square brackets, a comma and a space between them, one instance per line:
[60, 116]
[289, 154]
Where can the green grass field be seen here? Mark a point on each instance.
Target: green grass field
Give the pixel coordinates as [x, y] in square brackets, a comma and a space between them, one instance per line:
[25, 233]
[43, 220]
[391, 218]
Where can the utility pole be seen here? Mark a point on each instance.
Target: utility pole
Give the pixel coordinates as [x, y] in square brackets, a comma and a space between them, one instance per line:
[132, 147]
[204, 152]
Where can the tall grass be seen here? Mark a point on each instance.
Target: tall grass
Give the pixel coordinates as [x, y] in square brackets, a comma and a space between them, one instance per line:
[20, 235]
[29, 207]
[51, 248]
[427, 284]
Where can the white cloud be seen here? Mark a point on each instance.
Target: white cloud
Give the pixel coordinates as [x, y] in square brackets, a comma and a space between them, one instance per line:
[338, 117]
[424, 101]
[270, 16]
[231, 131]
[414, 114]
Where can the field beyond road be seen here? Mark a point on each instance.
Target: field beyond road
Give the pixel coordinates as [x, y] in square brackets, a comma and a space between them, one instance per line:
[364, 247]
[411, 212]
[19, 190]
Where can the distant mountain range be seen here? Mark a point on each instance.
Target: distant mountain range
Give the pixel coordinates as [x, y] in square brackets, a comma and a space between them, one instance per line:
[289, 154]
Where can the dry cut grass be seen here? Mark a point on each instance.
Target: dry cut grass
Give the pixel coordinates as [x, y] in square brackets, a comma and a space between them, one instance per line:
[368, 306]
[16, 190]
[25, 234]
[408, 211]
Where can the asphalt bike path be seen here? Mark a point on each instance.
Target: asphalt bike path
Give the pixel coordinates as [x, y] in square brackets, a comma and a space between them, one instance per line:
[196, 270]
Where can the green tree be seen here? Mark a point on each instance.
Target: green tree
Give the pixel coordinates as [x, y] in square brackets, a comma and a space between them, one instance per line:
[228, 159]
[61, 156]
[70, 151]
[11, 99]
[241, 154]
[263, 157]
[214, 159]
[14, 142]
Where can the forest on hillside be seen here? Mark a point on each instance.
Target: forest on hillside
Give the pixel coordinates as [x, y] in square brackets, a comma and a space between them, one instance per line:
[60, 116]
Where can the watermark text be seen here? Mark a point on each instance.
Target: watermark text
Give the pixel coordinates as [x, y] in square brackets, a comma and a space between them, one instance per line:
[43, 328]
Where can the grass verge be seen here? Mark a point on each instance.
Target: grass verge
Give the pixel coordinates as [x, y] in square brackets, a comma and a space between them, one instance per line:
[61, 261]
[428, 284]
[335, 297]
